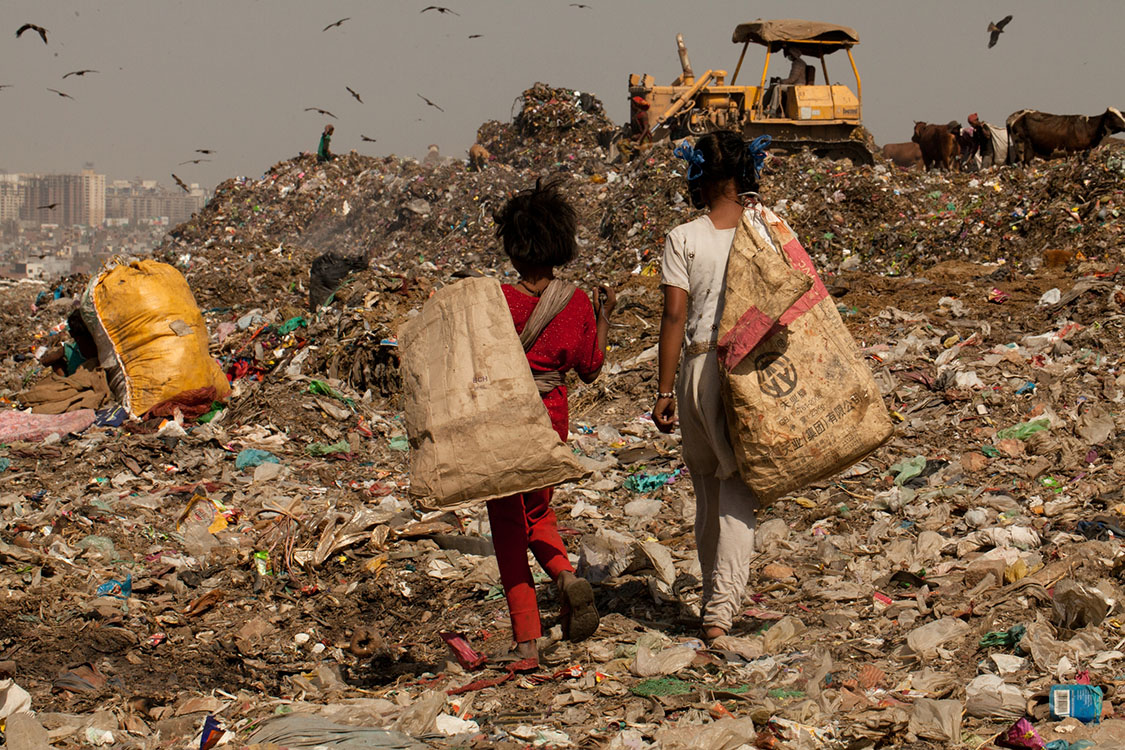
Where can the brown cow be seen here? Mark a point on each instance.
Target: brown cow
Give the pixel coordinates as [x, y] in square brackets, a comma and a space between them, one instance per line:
[904, 155]
[939, 147]
[1032, 133]
[478, 157]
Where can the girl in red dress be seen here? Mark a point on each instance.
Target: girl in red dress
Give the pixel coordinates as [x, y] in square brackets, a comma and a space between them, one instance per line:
[538, 228]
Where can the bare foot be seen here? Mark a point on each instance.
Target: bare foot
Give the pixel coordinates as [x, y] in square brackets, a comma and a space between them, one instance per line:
[528, 649]
[712, 632]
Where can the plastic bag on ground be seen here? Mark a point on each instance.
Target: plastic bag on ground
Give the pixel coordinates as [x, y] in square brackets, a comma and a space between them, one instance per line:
[648, 663]
[1077, 605]
[13, 699]
[988, 696]
[936, 720]
[924, 642]
[303, 731]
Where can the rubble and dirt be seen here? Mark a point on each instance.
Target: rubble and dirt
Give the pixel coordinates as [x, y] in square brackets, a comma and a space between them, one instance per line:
[157, 577]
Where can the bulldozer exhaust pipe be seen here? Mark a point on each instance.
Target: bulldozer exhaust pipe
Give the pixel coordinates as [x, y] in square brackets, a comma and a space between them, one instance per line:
[688, 77]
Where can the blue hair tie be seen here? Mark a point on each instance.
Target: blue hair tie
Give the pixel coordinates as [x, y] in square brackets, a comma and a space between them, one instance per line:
[757, 151]
[694, 160]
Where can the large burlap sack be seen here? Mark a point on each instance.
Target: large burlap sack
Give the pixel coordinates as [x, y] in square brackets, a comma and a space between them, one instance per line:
[152, 340]
[476, 423]
[801, 403]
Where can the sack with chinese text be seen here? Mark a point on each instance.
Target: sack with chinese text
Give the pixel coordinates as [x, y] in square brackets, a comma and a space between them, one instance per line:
[801, 403]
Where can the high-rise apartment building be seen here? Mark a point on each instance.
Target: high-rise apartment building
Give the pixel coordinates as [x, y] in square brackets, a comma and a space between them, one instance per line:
[65, 199]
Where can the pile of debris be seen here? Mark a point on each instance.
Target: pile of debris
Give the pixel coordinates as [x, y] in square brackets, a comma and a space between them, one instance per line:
[264, 574]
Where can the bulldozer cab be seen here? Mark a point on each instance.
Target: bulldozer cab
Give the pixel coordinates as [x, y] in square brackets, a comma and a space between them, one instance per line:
[824, 114]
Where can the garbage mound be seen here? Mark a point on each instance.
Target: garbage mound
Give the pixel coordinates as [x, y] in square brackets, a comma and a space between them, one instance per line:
[258, 574]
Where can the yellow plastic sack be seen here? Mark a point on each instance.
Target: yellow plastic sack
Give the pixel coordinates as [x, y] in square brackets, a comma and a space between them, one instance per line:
[152, 340]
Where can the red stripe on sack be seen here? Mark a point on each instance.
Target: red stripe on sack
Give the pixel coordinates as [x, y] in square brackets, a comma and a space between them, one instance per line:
[800, 260]
[743, 336]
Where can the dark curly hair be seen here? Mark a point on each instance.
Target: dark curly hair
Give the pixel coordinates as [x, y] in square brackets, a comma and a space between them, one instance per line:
[725, 157]
[538, 226]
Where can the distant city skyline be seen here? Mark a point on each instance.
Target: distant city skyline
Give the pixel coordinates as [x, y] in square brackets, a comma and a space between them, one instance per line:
[236, 77]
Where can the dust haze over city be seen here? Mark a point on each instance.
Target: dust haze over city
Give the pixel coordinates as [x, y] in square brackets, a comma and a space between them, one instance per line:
[290, 297]
[236, 76]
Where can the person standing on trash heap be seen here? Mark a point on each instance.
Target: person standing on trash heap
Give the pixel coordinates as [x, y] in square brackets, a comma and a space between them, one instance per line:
[324, 150]
[722, 177]
[538, 230]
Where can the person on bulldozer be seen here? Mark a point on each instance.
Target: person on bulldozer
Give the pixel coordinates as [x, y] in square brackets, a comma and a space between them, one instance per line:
[797, 77]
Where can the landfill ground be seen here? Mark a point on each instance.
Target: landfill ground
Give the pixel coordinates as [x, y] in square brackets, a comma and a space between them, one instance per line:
[928, 597]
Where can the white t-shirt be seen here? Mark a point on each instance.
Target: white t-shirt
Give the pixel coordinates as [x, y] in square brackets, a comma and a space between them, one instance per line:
[695, 260]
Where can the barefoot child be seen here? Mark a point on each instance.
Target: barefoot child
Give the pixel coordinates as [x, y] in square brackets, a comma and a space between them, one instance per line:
[561, 330]
[722, 177]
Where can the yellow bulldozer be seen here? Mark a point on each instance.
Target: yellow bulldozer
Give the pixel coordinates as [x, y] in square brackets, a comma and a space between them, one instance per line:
[822, 116]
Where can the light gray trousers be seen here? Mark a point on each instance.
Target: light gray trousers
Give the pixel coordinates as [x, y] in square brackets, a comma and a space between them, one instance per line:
[724, 506]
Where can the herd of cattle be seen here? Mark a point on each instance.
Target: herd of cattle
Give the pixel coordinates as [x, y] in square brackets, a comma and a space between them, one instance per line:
[1026, 134]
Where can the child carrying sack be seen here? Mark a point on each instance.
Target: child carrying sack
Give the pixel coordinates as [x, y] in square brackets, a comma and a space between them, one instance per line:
[801, 403]
[477, 426]
[152, 340]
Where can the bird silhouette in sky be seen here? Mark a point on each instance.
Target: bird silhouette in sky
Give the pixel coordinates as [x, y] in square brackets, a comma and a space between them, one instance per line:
[354, 94]
[5, 86]
[180, 183]
[995, 29]
[204, 151]
[49, 207]
[427, 101]
[78, 73]
[365, 138]
[62, 94]
[320, 111]
[30, 26]
[192, 161]
[580, 5]
[337, 23]
[475, 36]
[439, 9]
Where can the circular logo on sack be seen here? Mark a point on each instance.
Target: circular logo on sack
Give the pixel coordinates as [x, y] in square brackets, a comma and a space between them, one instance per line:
[776, 375]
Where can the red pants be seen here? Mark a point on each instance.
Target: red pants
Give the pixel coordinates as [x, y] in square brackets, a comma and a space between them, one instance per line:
[520, 523]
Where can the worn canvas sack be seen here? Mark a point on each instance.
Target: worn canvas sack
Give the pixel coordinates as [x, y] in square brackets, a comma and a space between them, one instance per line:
[801, 403]
[477, 426]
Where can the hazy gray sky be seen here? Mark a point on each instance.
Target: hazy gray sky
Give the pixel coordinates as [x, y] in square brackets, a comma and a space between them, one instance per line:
[234, 75]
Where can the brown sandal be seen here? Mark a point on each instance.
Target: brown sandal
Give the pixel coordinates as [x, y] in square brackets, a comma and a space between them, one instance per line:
[579, 616]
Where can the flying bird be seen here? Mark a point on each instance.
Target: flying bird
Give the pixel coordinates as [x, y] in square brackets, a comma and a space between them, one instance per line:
[427, 101]
[580, 5]
[365, 138]
[354, 94]
[192, 161]
[995, 29]
[78, 73]
[5, 86]
[439, 9]
[318, 110]
[180, 183]
[42, 31]
[62, 94]
[329, 26]
[475, 36]
[204, 151]
[49, 207]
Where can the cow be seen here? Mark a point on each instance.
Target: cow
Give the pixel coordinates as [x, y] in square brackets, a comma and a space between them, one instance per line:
[939, 147]
[478, 157]
[905, 155]
[1032, 133]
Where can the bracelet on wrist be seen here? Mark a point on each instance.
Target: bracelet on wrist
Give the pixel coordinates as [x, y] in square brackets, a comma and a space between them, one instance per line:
[663, 394]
